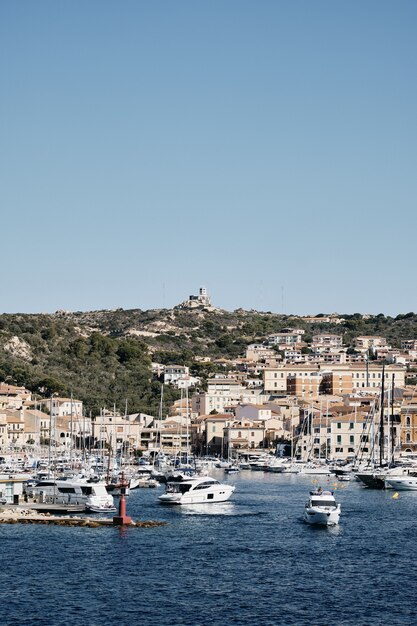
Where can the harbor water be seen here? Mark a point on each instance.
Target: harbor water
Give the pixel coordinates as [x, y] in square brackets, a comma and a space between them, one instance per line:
[251, 561]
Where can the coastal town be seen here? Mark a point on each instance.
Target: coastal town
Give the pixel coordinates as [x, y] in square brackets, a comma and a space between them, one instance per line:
[311, 400]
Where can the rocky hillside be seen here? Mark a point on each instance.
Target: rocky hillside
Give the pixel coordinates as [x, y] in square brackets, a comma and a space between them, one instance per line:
[104, 357]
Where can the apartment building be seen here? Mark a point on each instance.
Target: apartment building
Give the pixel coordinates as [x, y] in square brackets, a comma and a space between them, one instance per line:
[253, 412]
[408, 428]
[366, 342]
[173, 373]
[323, 340]
[246, 435]
[331, 378]
[221, 394]
[13, 397]
[275, 379]
[304, 384]
[286, 337]
[334, 438]
[409, 344]
[62, 407]
[258, 351]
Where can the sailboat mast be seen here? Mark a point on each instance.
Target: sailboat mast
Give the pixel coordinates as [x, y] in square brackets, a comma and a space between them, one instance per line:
[381, 420]
[71, 431]
[392, 421]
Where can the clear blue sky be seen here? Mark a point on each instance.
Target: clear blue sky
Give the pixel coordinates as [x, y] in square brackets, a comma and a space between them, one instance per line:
[263, 149]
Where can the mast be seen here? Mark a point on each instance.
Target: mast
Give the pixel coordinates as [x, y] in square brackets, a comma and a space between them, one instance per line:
[71, 433]
[392, 421]
[388, 421]
[187, 430]
[381, 419]
[50, 437]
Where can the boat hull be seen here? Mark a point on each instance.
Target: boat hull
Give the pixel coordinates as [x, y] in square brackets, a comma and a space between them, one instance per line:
[373, 481]
[194, 497]
[402, 484]
[322, 516]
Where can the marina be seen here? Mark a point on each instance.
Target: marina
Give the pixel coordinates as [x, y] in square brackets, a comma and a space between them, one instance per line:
[210, 548]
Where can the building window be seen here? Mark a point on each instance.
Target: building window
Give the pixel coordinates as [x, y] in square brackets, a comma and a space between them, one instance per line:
[352, 439]
[339, 438]
[339, 424]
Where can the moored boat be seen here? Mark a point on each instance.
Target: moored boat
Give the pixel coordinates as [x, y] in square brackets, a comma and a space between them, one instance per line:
[402, 483]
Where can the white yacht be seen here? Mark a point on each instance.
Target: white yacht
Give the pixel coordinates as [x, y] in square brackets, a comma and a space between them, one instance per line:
[401, 483]
[196, 490]
[315, 469]
[321, 508]
[91, 494]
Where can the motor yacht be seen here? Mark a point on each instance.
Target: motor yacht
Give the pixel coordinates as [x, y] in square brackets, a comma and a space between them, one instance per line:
[321, 508]
[196, 490]
[401, 483]
[90, 494]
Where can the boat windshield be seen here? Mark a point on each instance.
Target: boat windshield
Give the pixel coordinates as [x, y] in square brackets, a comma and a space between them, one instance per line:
[178, 488]
[321, 502]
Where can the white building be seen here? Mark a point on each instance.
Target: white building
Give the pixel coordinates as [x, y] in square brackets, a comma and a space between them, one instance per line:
[173, 372]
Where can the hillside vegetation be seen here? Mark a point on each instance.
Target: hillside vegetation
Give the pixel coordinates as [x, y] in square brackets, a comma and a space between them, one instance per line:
[104, 357]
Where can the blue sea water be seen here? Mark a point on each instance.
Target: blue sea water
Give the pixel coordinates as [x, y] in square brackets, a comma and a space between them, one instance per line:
[248, 562]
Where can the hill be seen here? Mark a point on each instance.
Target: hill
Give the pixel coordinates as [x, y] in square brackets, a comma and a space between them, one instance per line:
[104, 357]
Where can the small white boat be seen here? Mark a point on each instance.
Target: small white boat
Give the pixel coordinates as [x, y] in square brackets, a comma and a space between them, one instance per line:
[92, 508]
[321, 508]
[344, 477]
[315, 470]
[196, 491]
[402, 483]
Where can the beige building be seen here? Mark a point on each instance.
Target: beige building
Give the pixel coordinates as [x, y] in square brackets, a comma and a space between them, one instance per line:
[222, 394]
[253, 412]
[257, 352]
[12, 397]
[334, 438]
[245, 435]
[331, 378]
[408, 428]
[287, 337]
[365, 342]
[275, 379]
[323, 340]
[409, 344]
[304, 384]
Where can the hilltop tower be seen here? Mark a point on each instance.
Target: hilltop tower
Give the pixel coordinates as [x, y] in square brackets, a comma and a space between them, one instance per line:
[202, 300]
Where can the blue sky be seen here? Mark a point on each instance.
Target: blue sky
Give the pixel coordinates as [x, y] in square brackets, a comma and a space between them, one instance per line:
[265, 150]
